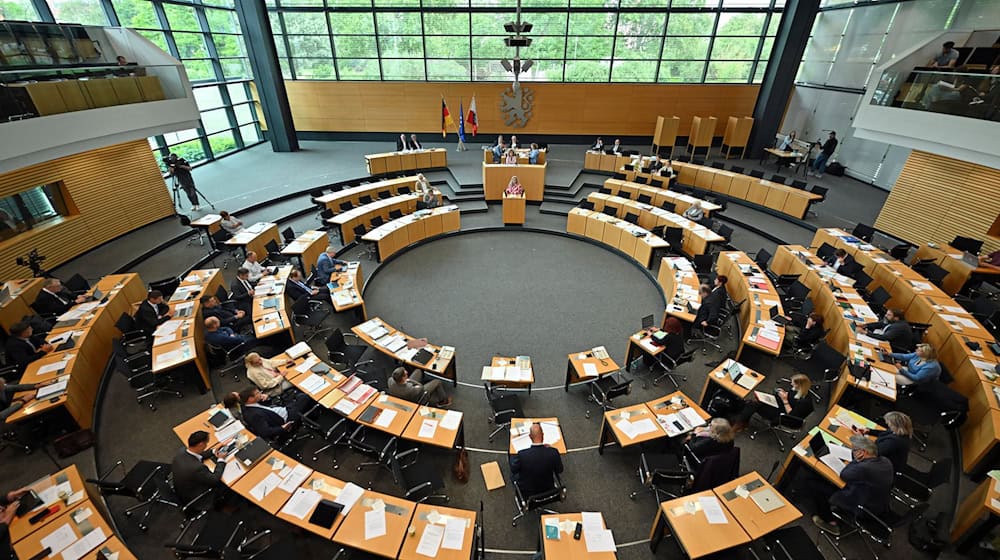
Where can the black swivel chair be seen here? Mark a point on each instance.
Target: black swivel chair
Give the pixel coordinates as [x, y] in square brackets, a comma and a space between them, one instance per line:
[77, 284]
[365, 199]
[662, 474]
[675, 237]
[167, 287]
[644, 199]
[339, 351]
[382, 195]
[969, 244]
[586, 205]
[503, 407]
[632, 218]
[801, 185]
[395, 214]
[878, 299]
[736, 169]
[863, 231]
[669, 206]
[608, 387]
[309, 314]
[274, 256]
[288, 234]
[825, 251]
[346, 206]
[669, 365]
[146, 483]
[377, 221]
[756, 174]
[418, 480]
[778, 179]
[330, 427]
[824, 364]
[762, 257]
[537, 502]
[610, 210]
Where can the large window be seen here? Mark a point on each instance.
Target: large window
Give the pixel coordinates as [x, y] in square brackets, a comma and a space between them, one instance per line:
[205, 36]
[695, 41]
[31, 208]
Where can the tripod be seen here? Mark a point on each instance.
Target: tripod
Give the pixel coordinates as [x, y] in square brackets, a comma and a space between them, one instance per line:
[176, 187]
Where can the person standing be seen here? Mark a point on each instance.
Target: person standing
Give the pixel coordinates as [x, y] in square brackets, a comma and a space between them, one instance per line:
[819, 164]
[180, 169]
[514, 187]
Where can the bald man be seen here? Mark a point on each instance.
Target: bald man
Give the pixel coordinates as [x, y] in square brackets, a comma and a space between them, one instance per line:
[533, 468]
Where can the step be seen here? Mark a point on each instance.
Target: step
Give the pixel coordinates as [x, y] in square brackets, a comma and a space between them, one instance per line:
[472, 206]
[556, 208]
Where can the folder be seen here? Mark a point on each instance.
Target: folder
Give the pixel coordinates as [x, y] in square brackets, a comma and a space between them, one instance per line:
[492, 475]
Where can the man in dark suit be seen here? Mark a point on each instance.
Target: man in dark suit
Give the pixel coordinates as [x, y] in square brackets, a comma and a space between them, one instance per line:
[533, 468]
[223, 337]
[152, 313]
[22, 348]
[841, 261]
[655, 164]
[414, 145]
[868, 480]
[191, 476]
[402, 143]
[236, 320]
[270, 422]
[296, 288]
[242, 291]
[894, 329]
[54, 299]
[711, 302]
[409, 387]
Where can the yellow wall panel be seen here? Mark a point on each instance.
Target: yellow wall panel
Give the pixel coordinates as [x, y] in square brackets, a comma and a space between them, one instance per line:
[115, 190]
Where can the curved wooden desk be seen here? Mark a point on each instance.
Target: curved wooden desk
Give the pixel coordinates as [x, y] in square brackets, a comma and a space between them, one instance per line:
[615, 233]
[403, 232]
[272, 320]
[522, 156]
[697, 238]
[353, 194]
[496, 177]
[391, 162]
[600, 161]
[22, 294]
[308, 246]
[759, 295]
[345, 222]
[658, 196]
[680, 284]
[441, 364]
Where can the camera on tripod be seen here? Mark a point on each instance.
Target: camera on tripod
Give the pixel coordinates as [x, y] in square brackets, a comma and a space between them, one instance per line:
[34, 262]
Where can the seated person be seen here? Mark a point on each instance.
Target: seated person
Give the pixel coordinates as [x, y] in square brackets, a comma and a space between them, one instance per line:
[714, 438]
[839, 260]
[257, 270]
[429, 198]
[921, 366]
[230, 223]
[152, 313]
[617, 147]
[191, 476]
[598, 145]
[10, 405]
[667, 170]
[296, 288]
[514, 145]
[788, 144]
[241, 290]
[533, 468]
[232, 404]
[22, 347]
[414, 144]
[868, 482]
[533, 154]
[223, 337]
[402, 143]
[991, 261]
[9, 503]
[947, 58]
[798, 403]
[54, 299]
[673, 343]
[236, 320]
[708, 313]
[894, 442]
[408, 387]
[655, 164]
[499, 150]
[893, 328]
[327, 264]
[514, 187]
[264, 373]
[270, 422]
[695, 213]
[510, 157]
[811, 334]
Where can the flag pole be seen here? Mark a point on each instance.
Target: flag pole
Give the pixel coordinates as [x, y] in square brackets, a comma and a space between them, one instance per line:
[461, 145]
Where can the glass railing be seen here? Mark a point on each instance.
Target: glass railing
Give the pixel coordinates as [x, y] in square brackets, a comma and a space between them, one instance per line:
[39, 92]
[965, 94]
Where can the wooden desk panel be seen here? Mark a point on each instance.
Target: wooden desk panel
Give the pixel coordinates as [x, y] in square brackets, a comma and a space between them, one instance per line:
[496, 177]
[755, 522]
[690, 529]
[566, 547]
[31, 545]
[352, 531]
[22, 294]
[422, 517]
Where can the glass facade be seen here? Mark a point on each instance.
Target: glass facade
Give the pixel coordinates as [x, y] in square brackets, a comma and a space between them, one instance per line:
[203, 34]
[679, 41]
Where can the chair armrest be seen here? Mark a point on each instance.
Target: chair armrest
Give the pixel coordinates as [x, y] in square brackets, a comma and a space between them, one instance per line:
[191, 505]
[416, 489]
[415, 452]
[232, 537]
[252, 540]
[117, 464]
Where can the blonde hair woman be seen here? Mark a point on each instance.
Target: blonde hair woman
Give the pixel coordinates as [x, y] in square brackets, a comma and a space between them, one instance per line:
[894, 442]
[717, 437]
[265, 374]
[514, 187]
[920, 366]
[795, 405]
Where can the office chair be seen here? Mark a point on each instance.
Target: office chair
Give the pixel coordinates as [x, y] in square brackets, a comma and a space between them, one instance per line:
[901, 251]
[274, 256]
[382, 195]
[395, 214]
[146, 483]
[346, 354]
[791, 543]
[657, 182]
[675, 237]
[632, 218]
[608, 387]
[878, 299]
[669, 206]
[227, 252]
[167, 287]
[795, 296]
[913, 486]
[969, 244]
[824, 363]
[762, 257]
[644, 199]
[736, 169]
[624, 194]
[703, 265]
[716, 470]
[418, 480]
[778, 179]
[726, 233]
[707, 336]
[537, 502]
[697, 161]
[198, 234]
[718, 165]
[812, 203]
[604, 190]
[329, 426]
[825, 251]
[872, 528]
[669, 365]
[801, 185]
[629, 167]
[641, 179]
[365, 199]
[863, 231]
[346, 206]
[137, 369]
[231, 360]
[503, 407]
[309, 314]
[935, 274]
[377, 221]
[661, 474]
[657, 231]
[586, 205]
[756, 174]
[786, 424]
[404, 190]
[316, 193]
[369, 248]
[610, 210]
[376, 444]
[861, 282]
[132, 340]
[211, 534]
[619, 176]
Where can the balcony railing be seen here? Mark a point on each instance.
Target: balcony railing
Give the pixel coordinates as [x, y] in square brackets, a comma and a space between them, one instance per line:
[964, 94]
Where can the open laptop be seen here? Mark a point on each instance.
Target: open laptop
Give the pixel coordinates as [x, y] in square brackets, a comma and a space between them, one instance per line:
[818, 445]
[778, 318]
[647, 321]
[970, 259]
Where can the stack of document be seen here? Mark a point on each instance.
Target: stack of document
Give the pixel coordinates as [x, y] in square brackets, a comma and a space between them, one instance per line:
[635, 429]
[392, 343]
[373, 328]
[314, 384]
[595, 536]
[452, 419]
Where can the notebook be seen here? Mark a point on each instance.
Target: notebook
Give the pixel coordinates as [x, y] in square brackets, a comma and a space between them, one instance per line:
[767, 500]
[325, 513]
[253, 451]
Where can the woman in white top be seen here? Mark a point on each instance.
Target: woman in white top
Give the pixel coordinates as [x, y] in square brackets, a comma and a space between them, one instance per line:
[423, 185]
[265, 374]
[510, 158]
[694, 212]
[788, 144]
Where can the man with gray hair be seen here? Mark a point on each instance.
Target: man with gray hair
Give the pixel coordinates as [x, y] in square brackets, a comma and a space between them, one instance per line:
[868, 482]
[328, 263]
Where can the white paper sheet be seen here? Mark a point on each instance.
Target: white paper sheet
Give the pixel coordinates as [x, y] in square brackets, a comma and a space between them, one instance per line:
[520, 443]
[301, 503]
[374, 523]
[54, 389]
[427, 429]
[644, 426]
[265, 486]
[314, 384]
[841, 452]
[59, 539]
[452, 419]
[713, 510]
[550, 433]
[592, 521]
[430, 540]
[385, 418]
[691, 417]
[234, 470]
[295, 478]
[307, 365]
[349, 496]
[600, 540]
[91, 541]
[589, 370]
[834, 463]
[626, 428]
[454, 533]
[55, 366]
[299, 349]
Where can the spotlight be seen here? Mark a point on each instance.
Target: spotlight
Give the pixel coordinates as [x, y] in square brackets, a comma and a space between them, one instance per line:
[506, 65]
[517, 28]
[517, 41]
[525, 64]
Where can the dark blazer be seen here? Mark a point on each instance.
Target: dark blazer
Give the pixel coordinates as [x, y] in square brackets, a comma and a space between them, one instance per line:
[533, 468]
[868, 484]
[295, 290]
[226, 317]
[673, 345]
[148, 316]
[655, 165]
[899, 335]
[710, 307]
[616, 149]
[48, 304]
[402, 144]
[597, 146]
[808, 337]
[848, 262]
[263, 422]
[7, 395]
[192, 477]
[415, 145]
[225, 338]
[704, 446]
[893, 447]
[801, 408]
[241, 296]
[20, 352]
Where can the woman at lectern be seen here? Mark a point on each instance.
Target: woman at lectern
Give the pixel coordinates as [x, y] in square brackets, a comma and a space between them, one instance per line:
[514, 187]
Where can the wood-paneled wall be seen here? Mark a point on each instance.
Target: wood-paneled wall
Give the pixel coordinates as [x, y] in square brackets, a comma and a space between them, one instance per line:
[937, 198]
[113, 191]
[587, 109]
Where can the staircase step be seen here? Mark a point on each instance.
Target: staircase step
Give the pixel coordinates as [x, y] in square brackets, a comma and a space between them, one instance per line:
[471, 206]
[556, 208]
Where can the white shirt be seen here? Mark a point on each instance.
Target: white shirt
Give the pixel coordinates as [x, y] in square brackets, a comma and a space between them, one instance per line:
[256, 270]
[232, 225]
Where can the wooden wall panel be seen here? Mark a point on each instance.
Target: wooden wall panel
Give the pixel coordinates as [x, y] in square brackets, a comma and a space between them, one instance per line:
[937, 198]
[114, 190]
[587, 109]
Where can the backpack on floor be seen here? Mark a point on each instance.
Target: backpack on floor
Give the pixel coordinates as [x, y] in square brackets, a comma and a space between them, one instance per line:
[925, 534]
[836, 168]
